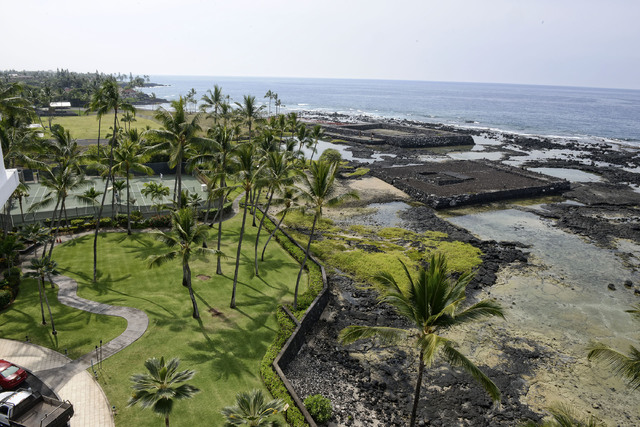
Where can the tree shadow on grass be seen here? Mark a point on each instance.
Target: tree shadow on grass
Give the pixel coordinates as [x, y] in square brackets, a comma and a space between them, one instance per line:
[231, 352]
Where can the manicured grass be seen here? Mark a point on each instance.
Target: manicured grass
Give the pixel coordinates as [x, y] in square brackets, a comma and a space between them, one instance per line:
[224, 349]
[78, 331]
[86, 127]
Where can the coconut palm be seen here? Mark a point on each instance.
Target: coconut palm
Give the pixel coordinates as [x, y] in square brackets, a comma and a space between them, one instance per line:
[318, 191]
[127, 118]
[35, 233]
[128, 158]
[21, 192]
[89, 197]
[177, 136]
[155, 191]
[41, 267]
[271, 95]
[302, 135]
[249, 112]
[626, 366]
[248, 172]
[279, 173]
[290, 196]
[183, 242]
[432, 304]
[161, 386]
[212, 100]
[565, 416]
[252, 409]
[118, 187]
[9, 247]
[316, 133]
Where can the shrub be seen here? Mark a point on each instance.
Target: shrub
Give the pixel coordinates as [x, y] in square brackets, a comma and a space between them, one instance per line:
[319, 408]
[160, 221]
[136, 216]
[12, 277]
[5, 298]
[106, 222]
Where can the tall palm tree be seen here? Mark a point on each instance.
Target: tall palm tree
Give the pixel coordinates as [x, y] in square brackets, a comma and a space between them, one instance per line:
[177, 137]
[183, 242]
[248, 170]
[35, 233]
[212, 100]
[622, 365]
[41, 267]
[303, 138]
[108, 99]
[270, 94]
[249, 111]
[89, 197]
[316, 133]
[128, 158]
[318, 191]
[289, 198]
[21, 192]
[432, 304]
[161, 386]
[9, 247]
[252, 409]
[279, 174]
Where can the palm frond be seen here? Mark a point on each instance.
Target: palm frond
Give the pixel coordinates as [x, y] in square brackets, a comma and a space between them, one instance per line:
[623, 366]
[354, 333]
[455, 358]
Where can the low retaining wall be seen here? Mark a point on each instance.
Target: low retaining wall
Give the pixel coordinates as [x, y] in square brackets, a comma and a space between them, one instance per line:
[303, 326]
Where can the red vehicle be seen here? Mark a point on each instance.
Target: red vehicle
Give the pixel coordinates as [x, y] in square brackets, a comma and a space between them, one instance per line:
[11, 376]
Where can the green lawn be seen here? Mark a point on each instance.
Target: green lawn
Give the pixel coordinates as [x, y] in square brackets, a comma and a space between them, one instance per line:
[78, 331]
[224, 349]
[86, 127]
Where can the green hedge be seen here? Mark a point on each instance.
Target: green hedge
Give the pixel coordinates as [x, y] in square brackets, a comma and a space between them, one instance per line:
[5, 298]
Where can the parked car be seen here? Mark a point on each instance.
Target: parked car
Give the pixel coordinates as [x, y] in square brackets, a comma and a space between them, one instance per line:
[11, 376]
[26, 408]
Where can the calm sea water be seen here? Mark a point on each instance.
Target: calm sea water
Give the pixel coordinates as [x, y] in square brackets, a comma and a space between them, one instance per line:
[590, 113]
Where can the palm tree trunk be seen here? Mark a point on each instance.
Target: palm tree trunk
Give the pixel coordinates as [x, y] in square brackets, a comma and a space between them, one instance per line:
[40, 287]
[46, 299]
[313, 151]
[416, 397]
[128, 207]
[53, 220]
[95, 236]
[264, 215]
[273, 233]
[304, 262]
[254, 205]
[186, 274]
[235, 274]
[99, 125]
[179, 181]
[166, 421]
[55, 236]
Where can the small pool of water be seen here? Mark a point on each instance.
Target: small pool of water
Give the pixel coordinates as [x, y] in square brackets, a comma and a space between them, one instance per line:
[378, 215]
[572, 175]
[344, 152]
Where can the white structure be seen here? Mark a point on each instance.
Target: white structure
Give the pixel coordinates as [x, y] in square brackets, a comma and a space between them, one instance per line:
[8, 181]
[60, 104]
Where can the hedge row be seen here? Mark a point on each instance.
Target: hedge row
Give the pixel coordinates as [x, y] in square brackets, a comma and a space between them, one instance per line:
[286, 327]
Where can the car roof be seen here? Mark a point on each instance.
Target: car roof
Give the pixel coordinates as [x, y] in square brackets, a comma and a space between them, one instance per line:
[14, 397]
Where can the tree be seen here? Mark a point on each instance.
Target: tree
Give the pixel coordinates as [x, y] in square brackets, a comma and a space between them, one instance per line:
[35, 233]
[89, 197]
[248, 170]
[183, 242]
[318, 191]
[212, 100]
[565, 416]
[178, 135]
[21, 192]
[191, 98]
[271, 95]
[127, 158]
[279, 173]
[252, 409]
[290, 196]
[161, 386]
[431, 303]
[155, 191]
[9, 247]
[622, 365]
[316, 133]
[249, 111]
[41, 267]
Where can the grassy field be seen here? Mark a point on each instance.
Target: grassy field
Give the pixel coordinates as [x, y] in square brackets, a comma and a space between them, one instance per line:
[225, 349]
[86, 127]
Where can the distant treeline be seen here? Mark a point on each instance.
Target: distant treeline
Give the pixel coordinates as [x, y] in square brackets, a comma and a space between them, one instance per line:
[44, 87]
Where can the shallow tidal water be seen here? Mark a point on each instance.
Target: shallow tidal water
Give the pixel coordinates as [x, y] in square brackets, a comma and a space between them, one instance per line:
[562, 301]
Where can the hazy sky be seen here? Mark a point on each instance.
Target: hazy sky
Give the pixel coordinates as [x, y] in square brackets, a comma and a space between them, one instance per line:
[556, 42]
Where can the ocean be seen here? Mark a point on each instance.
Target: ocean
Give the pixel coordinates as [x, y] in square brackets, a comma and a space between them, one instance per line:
[590, 114]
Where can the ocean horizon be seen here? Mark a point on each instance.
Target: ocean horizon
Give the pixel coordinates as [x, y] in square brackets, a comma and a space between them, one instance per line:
[584, 113]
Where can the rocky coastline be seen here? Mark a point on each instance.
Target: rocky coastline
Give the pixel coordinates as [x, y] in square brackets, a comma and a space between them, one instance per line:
[371, 385]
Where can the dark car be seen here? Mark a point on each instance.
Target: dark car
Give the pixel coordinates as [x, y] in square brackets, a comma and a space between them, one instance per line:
[11, 376]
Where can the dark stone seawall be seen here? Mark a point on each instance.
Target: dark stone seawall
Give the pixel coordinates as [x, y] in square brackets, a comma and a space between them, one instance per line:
[407, 137]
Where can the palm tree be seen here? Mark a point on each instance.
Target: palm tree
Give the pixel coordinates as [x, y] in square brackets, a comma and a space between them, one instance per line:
[21, 192]
[117, 189]
[279, 173]
[177, 136]
[191, 98]
[127, 158]
[35, 233]
[9, 247]
[249, 111]
[183, 242]
[622, 365]
[108, 99]
[318, 191]
[128, 117]
[212, 100]
[163, 384]
[316, 133]
[41, 267]
[303, 138]
[290, 196]
[431, 303]
[252, 409]
[248, 171]
[155, 191]
[565, 416]
[271, 95]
